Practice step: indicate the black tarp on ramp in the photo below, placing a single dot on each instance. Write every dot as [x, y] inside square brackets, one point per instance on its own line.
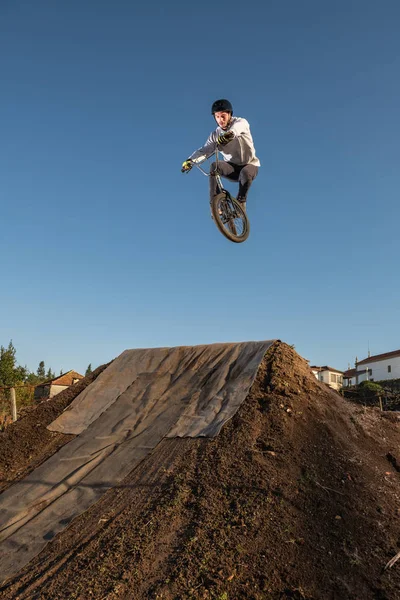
[142, 397]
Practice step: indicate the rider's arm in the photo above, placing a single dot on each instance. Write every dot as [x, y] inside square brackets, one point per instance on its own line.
[240, 127]
[206, 150]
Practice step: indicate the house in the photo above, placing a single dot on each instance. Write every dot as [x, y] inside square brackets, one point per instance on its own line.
[379, 367]
[328, 375]
[50, 388]
[350, 377]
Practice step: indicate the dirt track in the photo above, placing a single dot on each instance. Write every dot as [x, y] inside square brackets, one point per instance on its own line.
[298, 497]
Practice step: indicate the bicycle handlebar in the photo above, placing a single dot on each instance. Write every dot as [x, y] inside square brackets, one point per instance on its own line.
[204, 160]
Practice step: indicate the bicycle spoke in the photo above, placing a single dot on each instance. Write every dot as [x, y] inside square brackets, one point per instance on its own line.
[231, 219]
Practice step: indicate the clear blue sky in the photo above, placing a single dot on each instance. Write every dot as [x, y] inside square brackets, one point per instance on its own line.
[105, 245]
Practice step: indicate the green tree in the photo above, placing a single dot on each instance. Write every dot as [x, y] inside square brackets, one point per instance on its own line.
[32, 379]
[8, 371]
[41, 372]
[370, 389]
[21, 374]
[88, 370]
[13, 375]
[50, 374]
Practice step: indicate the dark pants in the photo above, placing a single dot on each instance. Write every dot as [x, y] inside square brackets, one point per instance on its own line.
[244, 174]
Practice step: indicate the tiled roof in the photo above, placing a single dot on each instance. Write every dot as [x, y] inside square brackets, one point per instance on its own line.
[65, 379]
[350, 373]
[379, 357]
[326, 368]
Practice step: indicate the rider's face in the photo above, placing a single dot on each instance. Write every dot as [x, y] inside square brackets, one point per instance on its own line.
[222, 118]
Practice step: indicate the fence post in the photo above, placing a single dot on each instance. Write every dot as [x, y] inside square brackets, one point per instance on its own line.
[380, 403]
[13, 404]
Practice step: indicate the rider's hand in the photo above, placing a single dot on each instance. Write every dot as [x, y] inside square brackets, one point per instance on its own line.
[186, 166]
[225, 138]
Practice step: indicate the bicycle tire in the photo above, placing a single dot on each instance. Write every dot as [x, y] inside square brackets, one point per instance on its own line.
[224, 223]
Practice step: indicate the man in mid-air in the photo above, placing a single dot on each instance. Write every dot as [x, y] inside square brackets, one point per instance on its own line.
[240, 161]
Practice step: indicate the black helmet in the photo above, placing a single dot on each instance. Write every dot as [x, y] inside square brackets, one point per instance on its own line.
[221, 106]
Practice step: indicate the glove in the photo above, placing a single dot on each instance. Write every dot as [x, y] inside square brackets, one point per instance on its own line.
[186, 166]
[225, 138]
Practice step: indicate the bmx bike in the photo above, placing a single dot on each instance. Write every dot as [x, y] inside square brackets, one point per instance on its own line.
[227, 212]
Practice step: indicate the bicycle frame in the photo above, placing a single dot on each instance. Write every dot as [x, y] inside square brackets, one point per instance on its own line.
[225, 211]
[217, 175]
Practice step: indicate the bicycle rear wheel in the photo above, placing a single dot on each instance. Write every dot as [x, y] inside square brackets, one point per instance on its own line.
[230, 217]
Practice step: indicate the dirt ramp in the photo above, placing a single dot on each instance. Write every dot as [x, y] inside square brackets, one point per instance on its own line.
[296, 498]
[140, 398]
[208, 382]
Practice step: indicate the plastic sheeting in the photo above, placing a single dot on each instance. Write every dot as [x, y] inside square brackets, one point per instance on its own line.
[142, 397]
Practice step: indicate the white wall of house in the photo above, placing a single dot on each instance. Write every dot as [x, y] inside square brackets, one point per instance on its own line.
[334, 380]
[56, 389]
[363, 377]
[323, 376]
[389, 368]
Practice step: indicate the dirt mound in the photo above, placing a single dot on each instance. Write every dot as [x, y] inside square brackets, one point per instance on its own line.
[298, 497]
[27, 443]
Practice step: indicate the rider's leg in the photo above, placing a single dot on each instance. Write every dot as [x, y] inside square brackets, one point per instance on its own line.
[225, 169]
[246, 177]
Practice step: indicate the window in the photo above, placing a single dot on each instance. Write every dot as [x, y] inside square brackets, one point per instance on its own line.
[389, 368]
[369, 371]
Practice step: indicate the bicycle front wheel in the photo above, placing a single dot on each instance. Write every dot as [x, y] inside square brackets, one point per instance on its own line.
[230, 217]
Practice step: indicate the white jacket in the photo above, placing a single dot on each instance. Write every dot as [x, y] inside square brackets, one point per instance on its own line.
[240, 151]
